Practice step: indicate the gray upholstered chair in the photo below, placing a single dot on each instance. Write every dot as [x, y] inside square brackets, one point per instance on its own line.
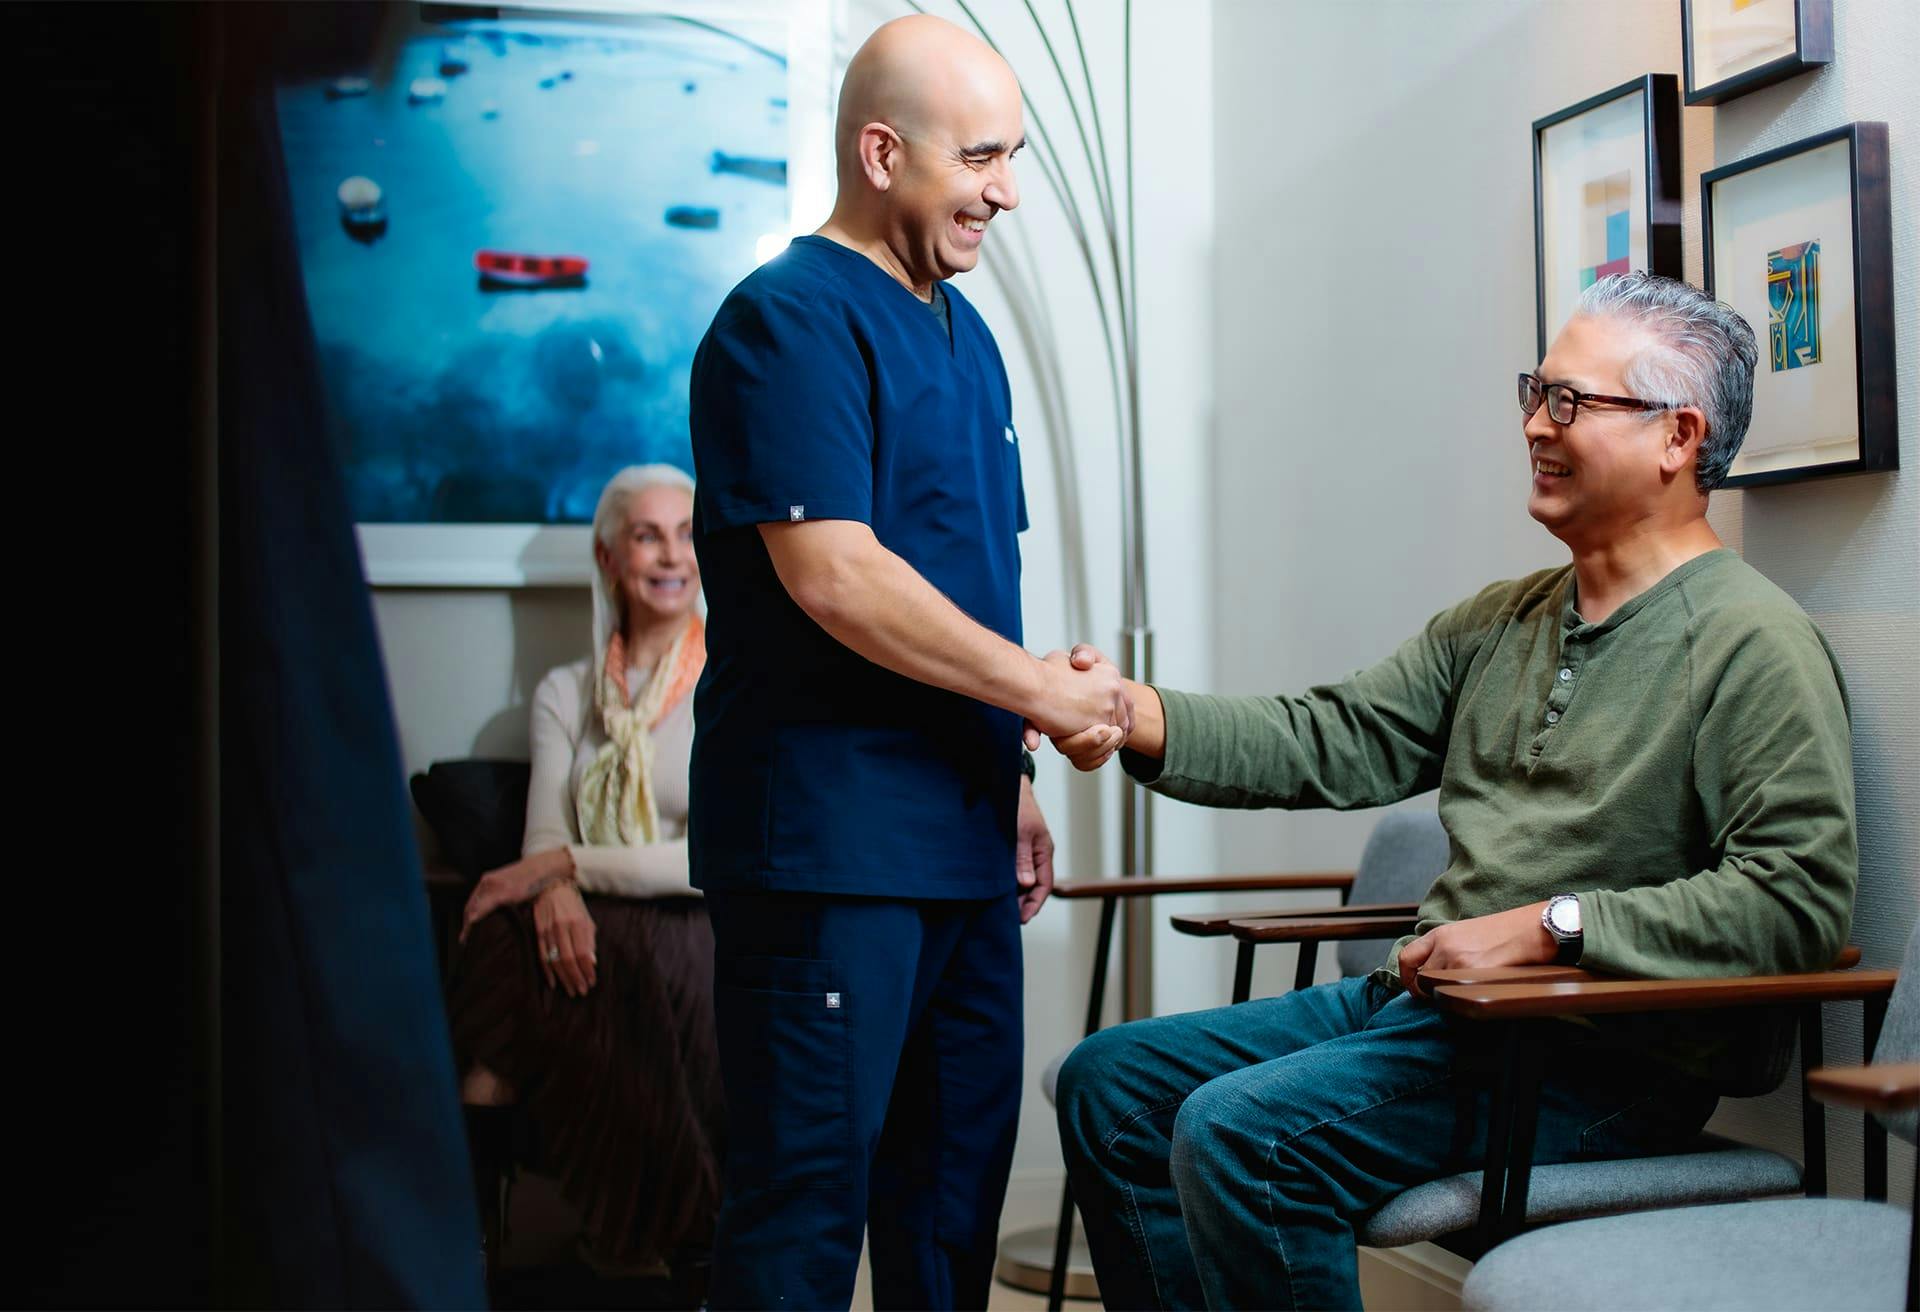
[1404, 854]
[1796, 1253]
[1471, 1211]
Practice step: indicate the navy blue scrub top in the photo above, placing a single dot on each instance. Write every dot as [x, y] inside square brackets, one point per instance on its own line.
[826, 390]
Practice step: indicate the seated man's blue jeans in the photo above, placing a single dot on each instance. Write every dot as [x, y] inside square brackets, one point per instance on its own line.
[1225, 1157]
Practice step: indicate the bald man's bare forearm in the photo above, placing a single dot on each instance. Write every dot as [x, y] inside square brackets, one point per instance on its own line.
[870, 600]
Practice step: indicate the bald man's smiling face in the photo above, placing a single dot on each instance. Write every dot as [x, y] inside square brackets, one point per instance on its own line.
[953, 177]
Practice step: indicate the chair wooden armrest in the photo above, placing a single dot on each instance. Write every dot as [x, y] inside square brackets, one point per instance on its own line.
[1149, 885]
[1217, 924]
[1455, 976]
[1887, 1087]
[1849, 957]
[444, 878]
[1320, 929]
[1612, 996]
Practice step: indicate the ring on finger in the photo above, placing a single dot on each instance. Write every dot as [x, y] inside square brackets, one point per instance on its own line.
[553, 953]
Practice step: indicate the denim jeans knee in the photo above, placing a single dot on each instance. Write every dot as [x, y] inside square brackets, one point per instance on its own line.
[1201, 1133]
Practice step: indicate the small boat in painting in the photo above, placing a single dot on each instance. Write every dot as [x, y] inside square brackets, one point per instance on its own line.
[694, 216]
[501, 269]
[746, 166]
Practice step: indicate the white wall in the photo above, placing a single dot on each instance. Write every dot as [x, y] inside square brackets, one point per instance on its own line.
[1373, 300]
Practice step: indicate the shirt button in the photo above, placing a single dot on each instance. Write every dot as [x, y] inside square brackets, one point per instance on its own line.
[1565, 675]
[1553, 717]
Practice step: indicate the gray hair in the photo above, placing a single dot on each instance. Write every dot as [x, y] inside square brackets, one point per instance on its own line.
[610, 516]
[1703, 356]
[609, 523]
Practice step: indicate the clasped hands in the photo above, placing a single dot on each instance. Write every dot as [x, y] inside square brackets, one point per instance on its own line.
[1089, 713]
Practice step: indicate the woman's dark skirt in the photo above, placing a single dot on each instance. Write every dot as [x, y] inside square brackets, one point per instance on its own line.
[622, 1086]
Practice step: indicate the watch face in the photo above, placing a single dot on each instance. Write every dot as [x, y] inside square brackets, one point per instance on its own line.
[1565, 916]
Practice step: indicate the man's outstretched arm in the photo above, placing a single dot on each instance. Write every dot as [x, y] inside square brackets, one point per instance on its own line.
[873, 602]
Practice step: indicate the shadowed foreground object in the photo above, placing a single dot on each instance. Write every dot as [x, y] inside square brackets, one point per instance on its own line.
[347, 1181]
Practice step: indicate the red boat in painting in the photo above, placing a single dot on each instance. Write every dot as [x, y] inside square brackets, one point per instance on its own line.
[514, 269]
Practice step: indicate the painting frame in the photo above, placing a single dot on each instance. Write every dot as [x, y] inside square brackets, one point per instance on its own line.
[1657, 156]
[535, 555]
[1812, 48]
[1870, 326]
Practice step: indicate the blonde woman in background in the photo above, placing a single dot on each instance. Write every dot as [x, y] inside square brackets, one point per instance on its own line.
[584, 991]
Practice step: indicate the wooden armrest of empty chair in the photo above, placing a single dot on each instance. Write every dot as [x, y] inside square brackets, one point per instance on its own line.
[1336, 881]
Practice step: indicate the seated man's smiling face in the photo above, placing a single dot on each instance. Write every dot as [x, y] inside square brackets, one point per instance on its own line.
[1593, 479]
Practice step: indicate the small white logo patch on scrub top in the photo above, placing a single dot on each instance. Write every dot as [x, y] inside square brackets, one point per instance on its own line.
[833, 999]
[1011, 437]
[796, 513]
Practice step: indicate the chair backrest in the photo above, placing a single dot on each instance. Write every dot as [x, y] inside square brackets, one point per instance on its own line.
[1404, 855]
[1900, 1036]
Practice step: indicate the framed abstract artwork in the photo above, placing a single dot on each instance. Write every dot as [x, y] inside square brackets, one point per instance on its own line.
[1606, 193]
[1731, 47]
[513, 233]
[1799, 240]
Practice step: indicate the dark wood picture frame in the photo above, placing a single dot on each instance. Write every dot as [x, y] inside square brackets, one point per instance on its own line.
[1660, 126]
[1812, 48]
[1873, 318]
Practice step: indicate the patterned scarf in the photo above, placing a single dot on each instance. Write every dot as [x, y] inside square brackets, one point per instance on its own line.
[615, 805]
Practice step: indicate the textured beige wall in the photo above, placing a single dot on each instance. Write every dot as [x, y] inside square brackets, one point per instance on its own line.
[1374, 293]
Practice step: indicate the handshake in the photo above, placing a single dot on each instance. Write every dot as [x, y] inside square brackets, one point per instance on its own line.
[1086, 709]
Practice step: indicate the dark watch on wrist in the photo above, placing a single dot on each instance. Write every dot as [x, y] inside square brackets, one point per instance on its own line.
[1026, 764]
[1562, 920]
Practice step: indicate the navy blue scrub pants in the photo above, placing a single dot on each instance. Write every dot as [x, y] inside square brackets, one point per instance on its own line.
[871, 1054]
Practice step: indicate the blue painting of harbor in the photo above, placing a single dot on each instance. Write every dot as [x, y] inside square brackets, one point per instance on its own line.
[512, 244]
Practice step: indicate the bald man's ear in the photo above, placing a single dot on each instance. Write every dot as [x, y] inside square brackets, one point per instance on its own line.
[879, 154]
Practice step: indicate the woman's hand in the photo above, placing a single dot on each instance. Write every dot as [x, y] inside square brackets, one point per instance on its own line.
[565, 933]
[511, 885]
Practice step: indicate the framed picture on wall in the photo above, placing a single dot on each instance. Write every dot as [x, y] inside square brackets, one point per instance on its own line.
[1799, 240]
[1731, 47]
[514, 231]
[1606, 193]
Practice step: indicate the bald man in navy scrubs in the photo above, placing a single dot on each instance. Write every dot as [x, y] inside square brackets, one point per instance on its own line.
[863, 822]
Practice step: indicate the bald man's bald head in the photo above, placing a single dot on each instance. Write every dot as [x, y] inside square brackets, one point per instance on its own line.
[930, 121]
[916, 74]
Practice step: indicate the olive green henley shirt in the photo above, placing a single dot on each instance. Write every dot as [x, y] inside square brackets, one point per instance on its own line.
[1684, 766]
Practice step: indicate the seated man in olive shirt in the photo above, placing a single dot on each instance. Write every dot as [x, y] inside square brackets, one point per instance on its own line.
[1643, 763]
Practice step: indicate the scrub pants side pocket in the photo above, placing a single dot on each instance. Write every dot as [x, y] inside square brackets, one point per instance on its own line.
[786, 1061]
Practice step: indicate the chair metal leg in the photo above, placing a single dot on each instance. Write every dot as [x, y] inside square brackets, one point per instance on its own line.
[1062, 1246]
[1493, 1180]
[1527, 1065]
[1913, 1247]
[1875, 1171]
[1813, 1116]
[1243, 972]
[1102, 954]
[1303, 969]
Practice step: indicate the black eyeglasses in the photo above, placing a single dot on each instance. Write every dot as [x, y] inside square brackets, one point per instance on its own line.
[1563, 402]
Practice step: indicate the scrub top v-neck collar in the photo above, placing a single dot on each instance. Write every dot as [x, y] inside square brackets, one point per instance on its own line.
[943, 323]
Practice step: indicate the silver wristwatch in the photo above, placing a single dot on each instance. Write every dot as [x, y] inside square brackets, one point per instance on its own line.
[1562, 920]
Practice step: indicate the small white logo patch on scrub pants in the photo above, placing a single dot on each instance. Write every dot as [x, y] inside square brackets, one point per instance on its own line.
[796, 513]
